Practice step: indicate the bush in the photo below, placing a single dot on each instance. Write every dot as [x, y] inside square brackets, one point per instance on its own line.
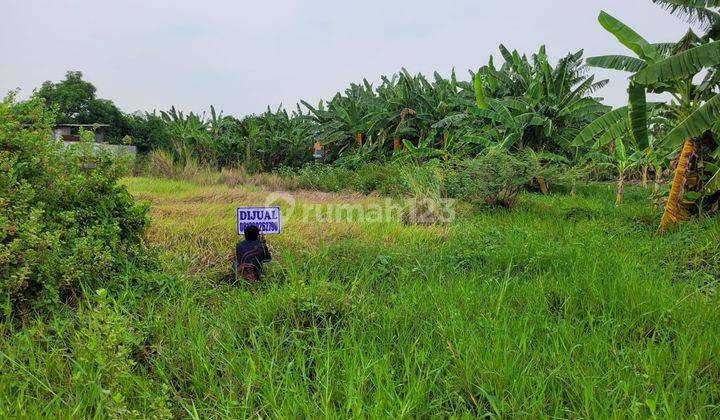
[493, 178]
[496, 177]
[106, 348]
[65, 221]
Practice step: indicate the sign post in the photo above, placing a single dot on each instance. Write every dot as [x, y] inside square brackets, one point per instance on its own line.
[267, 219]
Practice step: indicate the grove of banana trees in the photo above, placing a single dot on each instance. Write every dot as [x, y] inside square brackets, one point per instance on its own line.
[524, 103]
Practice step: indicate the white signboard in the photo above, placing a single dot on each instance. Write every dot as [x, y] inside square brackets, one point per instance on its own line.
[267, 219]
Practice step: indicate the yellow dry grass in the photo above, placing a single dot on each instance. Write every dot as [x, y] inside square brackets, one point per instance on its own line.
[197, 222]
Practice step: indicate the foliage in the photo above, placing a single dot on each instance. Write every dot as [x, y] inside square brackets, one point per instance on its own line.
[75, 103]
[105, 348]
[496, 177]
[71, 97]
[690, 118]
[524, 103]
[65, 222]
[149, 132]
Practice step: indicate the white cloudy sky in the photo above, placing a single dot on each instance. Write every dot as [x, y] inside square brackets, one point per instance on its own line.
[243, 55]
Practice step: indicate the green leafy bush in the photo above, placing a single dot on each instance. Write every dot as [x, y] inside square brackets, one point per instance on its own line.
[65, 221]
[493, 178]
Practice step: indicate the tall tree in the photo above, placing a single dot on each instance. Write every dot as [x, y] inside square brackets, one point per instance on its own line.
[75, 103]
[71, 97]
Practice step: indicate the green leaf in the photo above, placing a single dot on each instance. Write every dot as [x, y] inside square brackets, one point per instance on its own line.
[713, 185]
[506, 54]
[584, 107]
[510, 140]
[479, 87]
[681, 66]
[693, 11]
[638, 112]
[628, 37]
[620, 155]
[601, 125]
[616, 131]
[694, 125]
[502, 114]
[449, 121]
[692, 196]
[617, 62]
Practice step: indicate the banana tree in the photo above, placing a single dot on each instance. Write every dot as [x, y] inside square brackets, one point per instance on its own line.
[621, 158]
[534, 104]
[670, 68]
[190, 136]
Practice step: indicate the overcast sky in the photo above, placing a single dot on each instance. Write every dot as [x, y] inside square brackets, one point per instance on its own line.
[244, 55]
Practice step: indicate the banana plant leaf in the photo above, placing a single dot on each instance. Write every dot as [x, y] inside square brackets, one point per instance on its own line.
[479, 87]
[638, 112]
[713, 185]
[694, 125]
[628, 37]
[617, 62]
[680, 66]
[600, 125]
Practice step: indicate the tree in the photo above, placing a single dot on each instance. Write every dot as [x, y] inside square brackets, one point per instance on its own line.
[75, 103]
[695, 109]
[149, 132]
[71, 97]
[104, 111]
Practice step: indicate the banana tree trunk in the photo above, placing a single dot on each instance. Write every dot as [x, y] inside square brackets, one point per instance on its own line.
[676, 209]
[396, 144]
[359, 139]
[645, 176]
[658, 177]
[619, 187]
[573, 190]
[543, 185]
[656, 187]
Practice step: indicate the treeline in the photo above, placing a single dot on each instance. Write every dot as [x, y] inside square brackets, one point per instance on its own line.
[523, 103]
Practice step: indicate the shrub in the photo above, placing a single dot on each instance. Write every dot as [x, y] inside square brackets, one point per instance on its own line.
[65, 221]
[149, 132]
[494, 178]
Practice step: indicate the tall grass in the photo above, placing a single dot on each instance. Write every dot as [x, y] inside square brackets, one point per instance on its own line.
[565, 307]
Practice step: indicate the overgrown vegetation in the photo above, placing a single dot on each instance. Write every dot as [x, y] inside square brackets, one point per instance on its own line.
[525, 105]
[567, 306]
[544, 291]
[65, 222]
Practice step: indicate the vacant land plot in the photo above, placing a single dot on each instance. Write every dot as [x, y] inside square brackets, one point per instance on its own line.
[566, 306]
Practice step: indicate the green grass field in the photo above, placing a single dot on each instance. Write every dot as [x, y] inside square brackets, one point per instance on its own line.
[564, 307]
